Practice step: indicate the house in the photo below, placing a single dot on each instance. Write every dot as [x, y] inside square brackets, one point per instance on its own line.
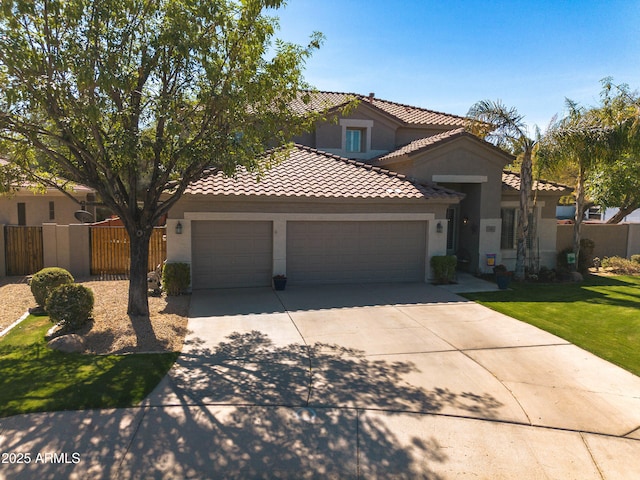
[24, 206]
[366, 197]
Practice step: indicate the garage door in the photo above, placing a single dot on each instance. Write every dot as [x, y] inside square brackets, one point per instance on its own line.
[350, 252]
[228, 254]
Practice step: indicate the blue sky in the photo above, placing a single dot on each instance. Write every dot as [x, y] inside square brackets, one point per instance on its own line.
[446, 55]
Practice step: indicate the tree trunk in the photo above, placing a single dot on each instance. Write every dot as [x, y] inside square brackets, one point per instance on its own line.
[623, 212]
[526, 180]
[138, 288]
[581, 206]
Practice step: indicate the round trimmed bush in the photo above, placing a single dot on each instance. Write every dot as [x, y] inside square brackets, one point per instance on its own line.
[71, 305]
[176, 278]
[47, 280]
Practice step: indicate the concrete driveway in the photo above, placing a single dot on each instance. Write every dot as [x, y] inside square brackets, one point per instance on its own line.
[375, 381]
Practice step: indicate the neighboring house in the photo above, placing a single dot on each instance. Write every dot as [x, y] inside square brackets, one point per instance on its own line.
[415, 185]
[25, 207]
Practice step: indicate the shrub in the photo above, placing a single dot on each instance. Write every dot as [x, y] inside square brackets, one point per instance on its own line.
[176, 278]
[444, 268]
[585, 257]
[635, 258]
[46, 280]
[546, 275]
[621, 266]
[71, 305]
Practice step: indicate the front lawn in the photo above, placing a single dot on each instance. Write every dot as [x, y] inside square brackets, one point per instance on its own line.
[34, 378]
[601, 315]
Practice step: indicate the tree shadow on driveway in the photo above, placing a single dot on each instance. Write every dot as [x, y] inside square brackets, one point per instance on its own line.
[248, 369]
[246, 409]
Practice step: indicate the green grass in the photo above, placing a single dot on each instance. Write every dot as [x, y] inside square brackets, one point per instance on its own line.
[601, 315]
[34, 378]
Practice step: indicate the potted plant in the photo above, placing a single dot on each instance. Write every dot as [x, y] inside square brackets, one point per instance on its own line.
[503, 276]
[279, 282]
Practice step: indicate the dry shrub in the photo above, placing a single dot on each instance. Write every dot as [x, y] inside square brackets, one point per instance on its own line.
[621, 266]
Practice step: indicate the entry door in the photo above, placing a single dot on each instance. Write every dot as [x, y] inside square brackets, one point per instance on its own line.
[453, 214]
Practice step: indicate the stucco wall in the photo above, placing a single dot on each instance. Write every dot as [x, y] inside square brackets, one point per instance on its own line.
[329, 135]
[466, 160]
[610, 240]
[37, 208]
[405, 135]
[210, 203]
[68, 247]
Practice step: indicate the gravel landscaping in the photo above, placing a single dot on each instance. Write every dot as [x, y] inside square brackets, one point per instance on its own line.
[111, 331]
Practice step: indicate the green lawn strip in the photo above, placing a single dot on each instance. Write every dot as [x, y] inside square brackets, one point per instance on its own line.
[601, 315]
[34, 378]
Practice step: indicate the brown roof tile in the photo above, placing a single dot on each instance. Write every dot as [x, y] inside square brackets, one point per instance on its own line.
[511, 182]
[310, 173]
[406, 114]
[423, 143]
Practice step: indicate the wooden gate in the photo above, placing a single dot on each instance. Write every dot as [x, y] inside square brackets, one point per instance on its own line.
[23, 250]
[110, 250]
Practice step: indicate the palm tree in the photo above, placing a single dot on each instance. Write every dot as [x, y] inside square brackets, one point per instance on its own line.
[505, 128]
[580, 141]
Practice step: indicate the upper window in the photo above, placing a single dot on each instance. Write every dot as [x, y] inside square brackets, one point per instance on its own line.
[52, 211]
[355, 139]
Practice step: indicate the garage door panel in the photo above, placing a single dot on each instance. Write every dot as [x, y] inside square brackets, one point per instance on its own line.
[343, 252]
[228, 254]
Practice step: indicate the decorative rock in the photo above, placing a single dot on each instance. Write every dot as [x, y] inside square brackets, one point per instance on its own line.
[54, 332]
[576, 277]
[71, 343]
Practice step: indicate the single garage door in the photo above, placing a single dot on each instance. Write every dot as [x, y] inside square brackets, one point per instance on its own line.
[350, 252]
[228, 254]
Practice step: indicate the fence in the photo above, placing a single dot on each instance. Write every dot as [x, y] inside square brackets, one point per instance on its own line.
[621, 239]
[23, 250]
[110, 250]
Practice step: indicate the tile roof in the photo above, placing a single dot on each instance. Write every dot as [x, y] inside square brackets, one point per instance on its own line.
[310, 173]
[511, 182]
[405, 114]
[424, 143]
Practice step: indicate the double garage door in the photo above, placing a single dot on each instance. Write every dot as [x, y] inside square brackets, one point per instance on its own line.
[240, 254]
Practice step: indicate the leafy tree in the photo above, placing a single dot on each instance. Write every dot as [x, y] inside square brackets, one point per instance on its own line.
[506, 128]
[616, 182]
[138, 98]
[616, 185]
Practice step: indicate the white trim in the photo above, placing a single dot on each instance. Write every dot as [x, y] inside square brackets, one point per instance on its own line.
[356, 123]
[317, 217]
[460, 178]
[14, 324]
[516, 204]
[181, 251]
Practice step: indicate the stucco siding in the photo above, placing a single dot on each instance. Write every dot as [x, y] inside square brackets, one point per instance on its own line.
[405, 135]
[37, 208]
[207, 203]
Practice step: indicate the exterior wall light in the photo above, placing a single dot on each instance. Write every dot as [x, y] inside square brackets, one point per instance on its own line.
[439, 227]
[178, 228]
